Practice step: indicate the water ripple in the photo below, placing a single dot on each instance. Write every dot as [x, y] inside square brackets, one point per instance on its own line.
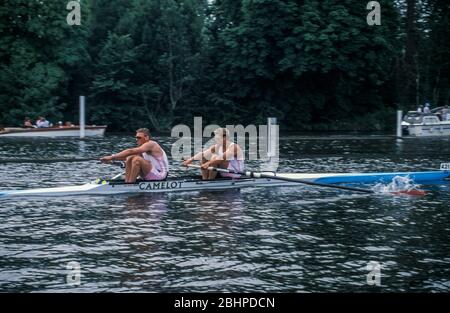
[296, 239]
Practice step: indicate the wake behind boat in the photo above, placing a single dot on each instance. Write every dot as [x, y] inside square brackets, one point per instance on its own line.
[113, 187]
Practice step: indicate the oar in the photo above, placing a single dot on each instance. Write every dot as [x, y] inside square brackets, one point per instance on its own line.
[117, 163]
[306, 182]
[121, 165]
[53, 160]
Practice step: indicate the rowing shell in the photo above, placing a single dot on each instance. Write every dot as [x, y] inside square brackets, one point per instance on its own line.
[190, 184]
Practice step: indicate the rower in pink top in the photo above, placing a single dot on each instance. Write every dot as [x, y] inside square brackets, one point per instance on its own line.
[223, 154]
[148, 160]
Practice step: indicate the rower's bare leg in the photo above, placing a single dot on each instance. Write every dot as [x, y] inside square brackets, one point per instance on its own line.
[217, 163]
[205, 173]
[139, 167]
[206, 156]
[128, 166]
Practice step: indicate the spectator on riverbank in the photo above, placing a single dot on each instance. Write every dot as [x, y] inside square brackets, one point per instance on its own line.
[27, 123]
[42, 122]
[445, 113]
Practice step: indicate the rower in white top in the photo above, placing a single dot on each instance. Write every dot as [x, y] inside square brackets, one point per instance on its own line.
[223, 154]
[148, 160]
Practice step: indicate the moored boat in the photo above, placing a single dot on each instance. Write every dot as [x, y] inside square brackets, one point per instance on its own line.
[425, 125]
[58, 131]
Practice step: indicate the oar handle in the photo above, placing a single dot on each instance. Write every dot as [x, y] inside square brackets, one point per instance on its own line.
[211, 168]
[118, 163]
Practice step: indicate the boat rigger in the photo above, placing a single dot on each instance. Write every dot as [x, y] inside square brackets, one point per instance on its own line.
[112, 187]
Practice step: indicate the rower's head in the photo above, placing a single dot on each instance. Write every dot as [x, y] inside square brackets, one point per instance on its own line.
[221, 134]
[142, 136]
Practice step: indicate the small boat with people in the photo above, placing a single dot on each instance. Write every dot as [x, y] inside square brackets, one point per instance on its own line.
[435, 122]
[44, 128]
[55, 131]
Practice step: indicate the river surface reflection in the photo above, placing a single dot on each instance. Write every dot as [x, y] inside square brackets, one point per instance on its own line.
[287, 239]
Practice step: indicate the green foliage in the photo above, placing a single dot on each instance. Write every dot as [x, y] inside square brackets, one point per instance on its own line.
[304, 61]
[150, 65]
[39, 54]
[155, 63]
[435, 50]
[110, 93]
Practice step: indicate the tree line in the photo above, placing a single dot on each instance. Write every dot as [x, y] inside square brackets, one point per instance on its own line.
[315, 65]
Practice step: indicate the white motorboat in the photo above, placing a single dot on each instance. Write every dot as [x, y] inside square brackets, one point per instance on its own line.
[425, 124]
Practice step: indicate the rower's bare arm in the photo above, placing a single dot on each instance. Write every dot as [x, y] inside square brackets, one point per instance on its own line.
[199, 156]
[150, 146]
[232, 153]
[122, 156]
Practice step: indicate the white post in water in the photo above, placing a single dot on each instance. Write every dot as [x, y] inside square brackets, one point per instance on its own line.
[82, 117]
[399, 123]
[271, 136]
[272, 146]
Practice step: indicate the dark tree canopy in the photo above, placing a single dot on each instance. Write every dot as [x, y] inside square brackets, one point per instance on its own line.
[156, 63]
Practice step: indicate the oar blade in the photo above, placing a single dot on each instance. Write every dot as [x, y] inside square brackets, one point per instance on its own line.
[413, 192]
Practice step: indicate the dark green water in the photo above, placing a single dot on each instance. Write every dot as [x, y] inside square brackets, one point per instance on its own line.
[296, 239]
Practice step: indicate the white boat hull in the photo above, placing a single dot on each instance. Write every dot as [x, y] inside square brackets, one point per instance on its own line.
[435, 130]
[111, 188]
[90, 131]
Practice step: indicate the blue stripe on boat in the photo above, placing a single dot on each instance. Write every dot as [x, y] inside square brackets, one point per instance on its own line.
[384, 177]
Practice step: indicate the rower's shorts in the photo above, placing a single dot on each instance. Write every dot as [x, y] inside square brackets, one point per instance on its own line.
[154, 174]
[234, 165]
